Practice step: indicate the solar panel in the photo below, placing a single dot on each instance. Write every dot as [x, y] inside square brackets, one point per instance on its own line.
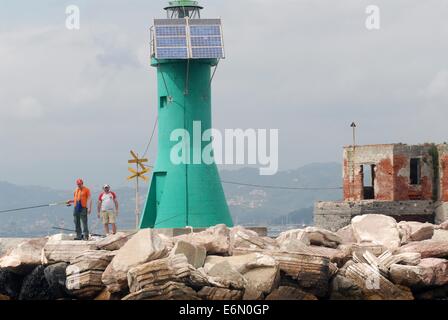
[206, 42]
[162, 31]
[205, 30]
[188, 39]
[172, 53]
[208, 53]
[171, 39]
[172, 42]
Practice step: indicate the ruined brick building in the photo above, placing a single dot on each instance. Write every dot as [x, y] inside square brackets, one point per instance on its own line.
[403, 181]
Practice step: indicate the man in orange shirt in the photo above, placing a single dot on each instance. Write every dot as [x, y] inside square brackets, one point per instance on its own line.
[82, 202]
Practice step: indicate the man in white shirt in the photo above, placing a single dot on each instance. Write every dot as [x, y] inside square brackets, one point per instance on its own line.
[108, 209]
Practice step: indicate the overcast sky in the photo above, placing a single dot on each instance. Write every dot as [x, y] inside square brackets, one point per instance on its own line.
[73, 103]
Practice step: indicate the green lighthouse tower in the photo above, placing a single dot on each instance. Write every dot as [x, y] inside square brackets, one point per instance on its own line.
[184, 49]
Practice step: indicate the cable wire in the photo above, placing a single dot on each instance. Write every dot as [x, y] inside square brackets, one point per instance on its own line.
[152, 136]
[280, 187]
[169, 219]
[223, 181]
[33, 207]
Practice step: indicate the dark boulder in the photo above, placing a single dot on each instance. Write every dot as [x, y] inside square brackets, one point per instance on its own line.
[10, 283]
[434, 293]
[35, 286]
[56, 279]
[343, 288]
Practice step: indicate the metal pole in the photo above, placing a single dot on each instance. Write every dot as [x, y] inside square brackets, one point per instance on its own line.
[353, 125]
[137, 196]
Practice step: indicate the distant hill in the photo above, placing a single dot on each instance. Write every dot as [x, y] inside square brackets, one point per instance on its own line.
[248, 205]
[253, 205]
[299, 217]
[37, 222]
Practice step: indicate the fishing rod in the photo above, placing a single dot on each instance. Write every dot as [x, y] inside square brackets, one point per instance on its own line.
[69, 230]
[36, 207]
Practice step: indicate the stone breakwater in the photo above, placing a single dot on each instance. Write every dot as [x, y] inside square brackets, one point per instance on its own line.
[373, 258]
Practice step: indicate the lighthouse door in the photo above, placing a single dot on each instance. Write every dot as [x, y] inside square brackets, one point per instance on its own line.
[160, 184]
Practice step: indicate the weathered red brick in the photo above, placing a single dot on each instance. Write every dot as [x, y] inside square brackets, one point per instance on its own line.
[384, 180]
[444, 178]
[392, 174]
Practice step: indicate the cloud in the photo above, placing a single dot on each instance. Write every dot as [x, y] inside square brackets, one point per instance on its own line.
[307, 67]
[29, 108]
[438, 87]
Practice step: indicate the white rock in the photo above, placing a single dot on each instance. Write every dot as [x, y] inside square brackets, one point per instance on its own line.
[143, 247]
[242, 263]
[226, 276]
[346, 235]
[440, 235]
[259, 274]
[311, 271]
[430, 272]
[322, 237]
[373, 285]
[25, 257]
[263, 280]
[172, 268]
[85, 285]
[7, 244]
[66, 250]
[241, 237]
[166, 291]
[113, 242]
[293, 240]
[415, 231]
[443, 226]
[439, 268]
[376, 229]
[97, 260]
[411, 276]
[215, 239]
[195, 254]
[427, 248]
[61, 237]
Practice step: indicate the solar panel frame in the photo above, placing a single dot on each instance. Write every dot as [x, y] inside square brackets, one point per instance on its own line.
[199, 38]
[199, 22]
[202, 37]
[170, 38]
[169, 22]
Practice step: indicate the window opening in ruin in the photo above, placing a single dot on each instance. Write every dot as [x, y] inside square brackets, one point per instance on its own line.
[415, 172]
[368, 181]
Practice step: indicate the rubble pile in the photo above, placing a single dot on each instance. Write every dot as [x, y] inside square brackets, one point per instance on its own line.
[374, 258]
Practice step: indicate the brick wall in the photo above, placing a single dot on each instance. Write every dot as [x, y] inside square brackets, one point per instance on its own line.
[392, 172]
[403, 190]
[354, 158]
[443, 172]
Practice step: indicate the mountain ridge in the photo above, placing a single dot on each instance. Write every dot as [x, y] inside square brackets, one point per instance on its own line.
[249, 205]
